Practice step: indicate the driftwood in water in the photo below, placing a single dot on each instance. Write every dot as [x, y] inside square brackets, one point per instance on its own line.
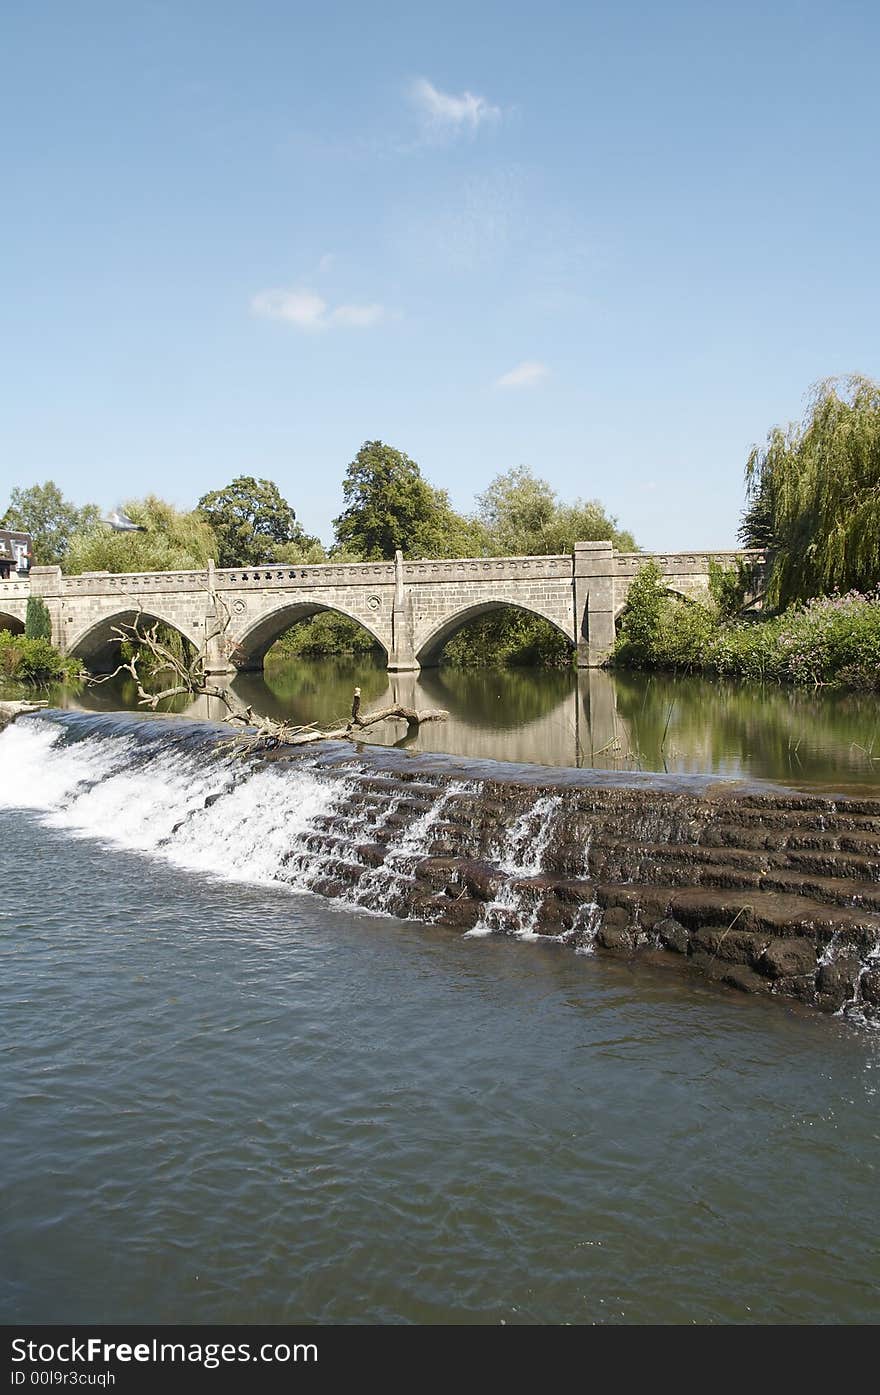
[396, 712]
[10, 710]
[189, 678]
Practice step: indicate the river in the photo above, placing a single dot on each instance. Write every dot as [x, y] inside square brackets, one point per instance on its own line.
[228, 1100]
[609, 721]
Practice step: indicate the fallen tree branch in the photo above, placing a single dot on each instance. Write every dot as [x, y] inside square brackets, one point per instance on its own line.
[397, 712]
[189, 679]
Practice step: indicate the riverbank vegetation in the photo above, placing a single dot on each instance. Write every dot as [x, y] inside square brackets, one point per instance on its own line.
[31, 657]
[33, 660]
[813, 502]
[826, 640]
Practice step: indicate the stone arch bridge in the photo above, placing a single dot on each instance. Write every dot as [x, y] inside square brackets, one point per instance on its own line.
[410, 608]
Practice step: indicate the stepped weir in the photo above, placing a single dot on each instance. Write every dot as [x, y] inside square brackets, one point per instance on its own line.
[758, 887]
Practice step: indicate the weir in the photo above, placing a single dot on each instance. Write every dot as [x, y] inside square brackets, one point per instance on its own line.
[763, 889]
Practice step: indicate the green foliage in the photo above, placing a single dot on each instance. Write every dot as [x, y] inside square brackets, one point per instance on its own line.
[251, 521]
[304, 552]
[327, 633]
[642, 620]
[830, 640]
[390, 505]
[50, 519]
[522, 517]
[508, 637]
[33, 660]
[814, 494]
[729, 586]
[174, 541]
[38, 621]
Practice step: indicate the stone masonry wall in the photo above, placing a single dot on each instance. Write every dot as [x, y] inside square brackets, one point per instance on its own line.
[410, 608]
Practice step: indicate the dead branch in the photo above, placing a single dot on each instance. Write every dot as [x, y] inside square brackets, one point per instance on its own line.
[189, 678]
[397, 712]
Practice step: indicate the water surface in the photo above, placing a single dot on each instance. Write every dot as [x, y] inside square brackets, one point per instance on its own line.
[609, 721]
[228, 1101]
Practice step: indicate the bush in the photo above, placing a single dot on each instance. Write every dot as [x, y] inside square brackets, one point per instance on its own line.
[38, 622]
[508, 638]
[33, 660]
[832, 640]
[327, 633]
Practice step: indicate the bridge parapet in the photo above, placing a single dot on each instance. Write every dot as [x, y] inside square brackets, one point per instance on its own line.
[628, 563]
[131, 583]
[457, 569]
[14, 589]
[307, 574]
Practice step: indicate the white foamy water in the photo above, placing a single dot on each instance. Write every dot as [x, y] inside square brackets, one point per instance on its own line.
[521, 856]
[376, 888]
[108, 788]
[39, 772]
[293, 823]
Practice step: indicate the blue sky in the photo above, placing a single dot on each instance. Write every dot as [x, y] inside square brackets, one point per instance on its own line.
[616, 242]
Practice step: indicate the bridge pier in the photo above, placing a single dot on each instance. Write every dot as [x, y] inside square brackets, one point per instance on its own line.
[47, 582]
[402, 655]
[593, 602]
[217, 661]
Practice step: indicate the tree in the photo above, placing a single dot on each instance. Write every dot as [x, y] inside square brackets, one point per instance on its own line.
[173, 541]
[522, 516]
[251, 520]
[390, 505]
[814, 494]
[642, 620]
[50, 519]
[38, 622]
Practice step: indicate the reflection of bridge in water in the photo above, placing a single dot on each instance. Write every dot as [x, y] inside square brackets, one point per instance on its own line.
[574, 722]
[410, 608]
[611, 720]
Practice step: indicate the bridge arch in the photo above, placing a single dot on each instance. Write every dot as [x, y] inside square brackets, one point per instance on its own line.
[11, 623]
[250, 648]
[98, 646]
[429, 650]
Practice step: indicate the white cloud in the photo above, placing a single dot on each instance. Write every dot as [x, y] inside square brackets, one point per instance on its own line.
[357, 316]
[443, 113]
[301, 308]
[526, 374]
[310, 311]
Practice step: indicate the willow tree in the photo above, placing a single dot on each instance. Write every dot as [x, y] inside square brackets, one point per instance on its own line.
[170, 541]
[814, 494]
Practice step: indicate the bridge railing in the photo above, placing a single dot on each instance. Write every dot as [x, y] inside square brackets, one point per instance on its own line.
[489, 568]
[100, 583]
[627, 562]
[15, 588]
[315, 573]
[425, 570]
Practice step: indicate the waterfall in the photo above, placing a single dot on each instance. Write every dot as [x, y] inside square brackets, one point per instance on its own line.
[763, 889]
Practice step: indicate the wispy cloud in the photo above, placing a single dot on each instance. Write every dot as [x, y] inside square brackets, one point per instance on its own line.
[526, 374]
[357, 316]
[307, 310]
[445, 114]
